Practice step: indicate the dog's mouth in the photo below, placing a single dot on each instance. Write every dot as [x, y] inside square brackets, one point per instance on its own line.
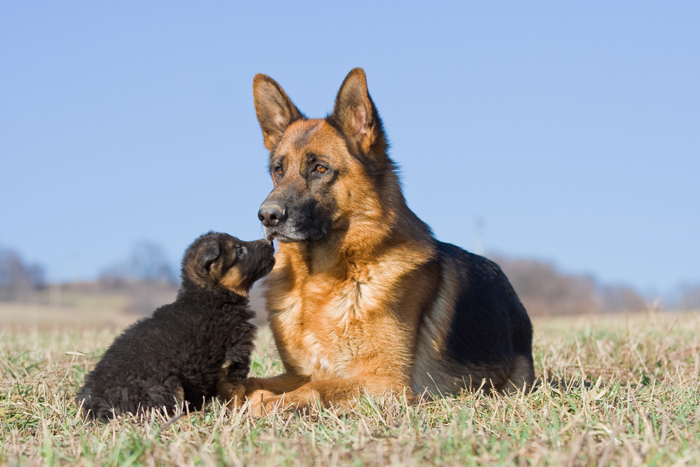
[275, 234]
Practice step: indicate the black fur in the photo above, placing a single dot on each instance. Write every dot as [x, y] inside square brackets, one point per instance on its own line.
[490, 324]
[173, 359]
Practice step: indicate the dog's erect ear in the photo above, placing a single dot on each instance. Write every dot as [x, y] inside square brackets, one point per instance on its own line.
[208, 254]
[355, 114]
[274, 109]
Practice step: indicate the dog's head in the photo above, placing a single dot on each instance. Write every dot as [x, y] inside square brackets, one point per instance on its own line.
[327, 173]
[220, 260]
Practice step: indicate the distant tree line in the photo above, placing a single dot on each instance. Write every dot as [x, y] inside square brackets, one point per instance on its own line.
[547, 291]
[147, 276]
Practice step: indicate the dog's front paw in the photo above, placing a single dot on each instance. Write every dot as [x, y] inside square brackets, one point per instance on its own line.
[258, 395]
[257, 398]
[264, 403]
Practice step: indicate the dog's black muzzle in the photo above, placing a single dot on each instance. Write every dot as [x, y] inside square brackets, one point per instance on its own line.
[291, 220]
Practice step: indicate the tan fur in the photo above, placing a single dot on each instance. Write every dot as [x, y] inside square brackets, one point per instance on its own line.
[431, 341]
[180, 394]
[234, 280]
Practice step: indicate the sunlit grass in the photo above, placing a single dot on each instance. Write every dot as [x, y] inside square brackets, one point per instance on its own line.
[614, 390]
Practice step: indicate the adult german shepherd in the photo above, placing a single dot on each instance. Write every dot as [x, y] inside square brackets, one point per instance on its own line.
[362, 298]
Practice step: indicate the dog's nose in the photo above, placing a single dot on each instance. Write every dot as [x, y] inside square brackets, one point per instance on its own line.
[271, 214]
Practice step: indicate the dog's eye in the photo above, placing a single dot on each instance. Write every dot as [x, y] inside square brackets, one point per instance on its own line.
[241, 251]
[279, 171]
[320, 169]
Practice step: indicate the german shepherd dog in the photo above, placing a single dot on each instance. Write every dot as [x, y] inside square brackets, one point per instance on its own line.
[363, 299]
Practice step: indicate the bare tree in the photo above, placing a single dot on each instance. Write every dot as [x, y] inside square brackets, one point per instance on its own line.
[146, 262]
[18, 278]
[145, 276]
[690, 297]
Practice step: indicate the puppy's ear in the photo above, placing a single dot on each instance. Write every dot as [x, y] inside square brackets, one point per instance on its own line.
[274, 109]
[356, 115]
[208, 254]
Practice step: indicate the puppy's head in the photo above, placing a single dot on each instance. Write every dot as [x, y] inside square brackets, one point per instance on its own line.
[220, 260]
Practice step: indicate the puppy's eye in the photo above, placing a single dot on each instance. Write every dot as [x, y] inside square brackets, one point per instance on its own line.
[320, 169]
[241, 251]
[279, 171]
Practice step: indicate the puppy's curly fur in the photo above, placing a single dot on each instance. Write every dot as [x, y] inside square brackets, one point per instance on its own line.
[191, 350]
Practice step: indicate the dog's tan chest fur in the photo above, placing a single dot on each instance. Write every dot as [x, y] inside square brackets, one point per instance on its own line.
[335, 325]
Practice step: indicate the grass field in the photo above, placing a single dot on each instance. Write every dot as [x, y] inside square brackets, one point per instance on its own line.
[615, 390]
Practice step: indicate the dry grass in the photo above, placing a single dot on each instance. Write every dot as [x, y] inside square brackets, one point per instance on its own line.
[614, 391]
[44, 317]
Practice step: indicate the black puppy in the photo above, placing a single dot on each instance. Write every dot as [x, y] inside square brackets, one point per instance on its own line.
[191, 350]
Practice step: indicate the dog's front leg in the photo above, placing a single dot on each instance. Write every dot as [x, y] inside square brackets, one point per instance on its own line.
[267, 387]
[341, 393]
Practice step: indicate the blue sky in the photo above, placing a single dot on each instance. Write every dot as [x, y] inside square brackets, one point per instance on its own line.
[571, 129]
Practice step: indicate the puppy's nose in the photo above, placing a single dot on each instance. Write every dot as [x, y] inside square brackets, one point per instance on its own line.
[271, 214]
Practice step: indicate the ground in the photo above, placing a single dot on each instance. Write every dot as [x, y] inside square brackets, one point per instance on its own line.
[614, 390]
